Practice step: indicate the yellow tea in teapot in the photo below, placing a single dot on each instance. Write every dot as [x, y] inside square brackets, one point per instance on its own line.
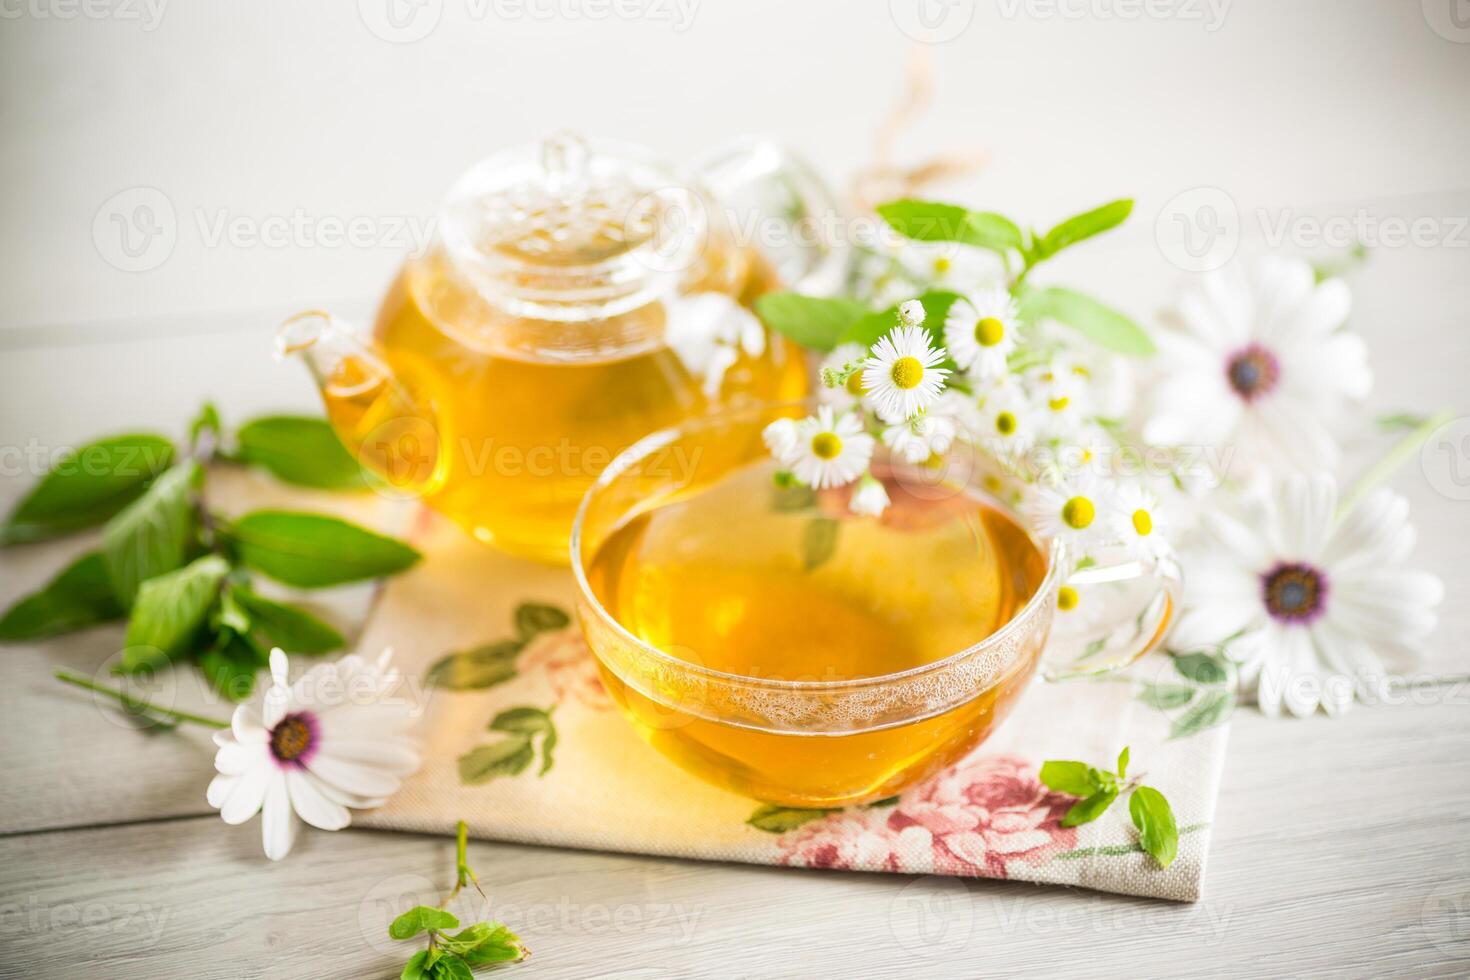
[734, 578]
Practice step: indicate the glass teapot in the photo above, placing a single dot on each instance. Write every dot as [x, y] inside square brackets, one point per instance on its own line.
[575, 298]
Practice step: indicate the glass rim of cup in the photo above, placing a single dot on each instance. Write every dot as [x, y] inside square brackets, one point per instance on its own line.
[1053, 550]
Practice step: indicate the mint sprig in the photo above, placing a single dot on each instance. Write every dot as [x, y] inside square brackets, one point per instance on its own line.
[454, 956]
[1099, 789]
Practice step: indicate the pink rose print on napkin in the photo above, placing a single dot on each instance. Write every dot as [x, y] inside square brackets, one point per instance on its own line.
[569, 668]
[847, 840]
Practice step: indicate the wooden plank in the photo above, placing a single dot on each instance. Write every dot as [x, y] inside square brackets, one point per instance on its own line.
[1342, 857]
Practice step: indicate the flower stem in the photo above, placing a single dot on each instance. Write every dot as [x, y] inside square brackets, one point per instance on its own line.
[136, 704]
[1392, 460]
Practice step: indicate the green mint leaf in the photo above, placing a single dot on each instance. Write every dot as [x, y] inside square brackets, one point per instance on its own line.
[1091, 808]
[1166, 696]
[230, 614]
[872, 327]
[291, 628]
[477, 669]
[927, 221]
[231, 666]
[313, 550]
[487, 762]
[207, 421]
[1154, 818]
[1100, 324]
[300, 450]
[525, 720]
[779, 819]
[1202, 668]
[500, 945]
[152, 535]
[87, 487]
[1072, 778]
[417, 967]
[538, 617]
[421, 919]
[450, 966]
[1123, 763]
[1101, 778]
[797, 497]
[465, 940]
[1083, 226]
[80, 596]
[170, 610]
[1213, 708]
[813, 322]
[819, 542]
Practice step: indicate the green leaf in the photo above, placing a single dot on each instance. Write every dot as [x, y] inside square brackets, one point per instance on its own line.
[207, 420]
[313, 550]
[525, 720]
[487, 762]
[1123, 763]
[1072, 778]
[417, 967]
[1083, 226]
[871, 328]
[779, 819]
[169, 612]
[152, 535]
[474, 670]
[1400, 421]
[87, 487]
[1100, 324]
[539, 617]
[231, 666]
[813, 322]
[499, 946]
[421, 919]
[927, 221]
[1091, 808]
[548, 742]
[291, 628]
[450, 966]
[819, 542]
[786, 500]
[1154, 818]
[79, 596]
[1166, 697]
[300, 450]
[1214, 708]
[1202, 668]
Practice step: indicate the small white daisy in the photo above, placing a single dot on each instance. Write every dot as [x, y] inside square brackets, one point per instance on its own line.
[1259, 363]
[830, 451]
[1007, 421]
[950, 265]
[709, 333]
[902, 376]
[1073, 510]
[847, 395]
[911, 313]
[1137, 521]
[981, 332]
[869, 499]
[921, 437]
[310, 750]
[781, 437]
[1311, 602]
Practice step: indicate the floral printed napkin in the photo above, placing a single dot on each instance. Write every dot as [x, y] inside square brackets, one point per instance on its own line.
[524, 745]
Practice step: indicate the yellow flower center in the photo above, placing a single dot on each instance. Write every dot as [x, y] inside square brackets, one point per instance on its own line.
[941, 265]
[1005, 423]
[907, 372]
[1058, 404]
[1143, 523]
[1078, 513]
[990, 331]
[826, 445]
[855, 383]
[1067, 598]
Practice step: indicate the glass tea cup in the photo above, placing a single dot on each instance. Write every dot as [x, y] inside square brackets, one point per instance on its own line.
[772, 642]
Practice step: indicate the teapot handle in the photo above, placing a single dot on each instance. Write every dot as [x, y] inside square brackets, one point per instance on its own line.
[775, 202]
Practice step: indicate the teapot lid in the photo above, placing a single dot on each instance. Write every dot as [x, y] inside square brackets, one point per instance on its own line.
[573, 229]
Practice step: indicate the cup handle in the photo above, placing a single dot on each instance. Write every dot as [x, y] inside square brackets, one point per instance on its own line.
[1123, 608]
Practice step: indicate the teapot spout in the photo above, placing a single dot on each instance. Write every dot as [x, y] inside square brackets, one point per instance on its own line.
[390, 430]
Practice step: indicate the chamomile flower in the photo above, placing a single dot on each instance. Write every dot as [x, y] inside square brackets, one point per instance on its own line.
[950, 265]
[902, 376]
[869, 499]
[911, 313]
[709, 333]
[1073, 510]
[1310, 602]
[925, 435]
[980, 332]
[1138, 523]
[846, 395]
[310, 750]
[830, 450]
[1007, 421]
[781, 437]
